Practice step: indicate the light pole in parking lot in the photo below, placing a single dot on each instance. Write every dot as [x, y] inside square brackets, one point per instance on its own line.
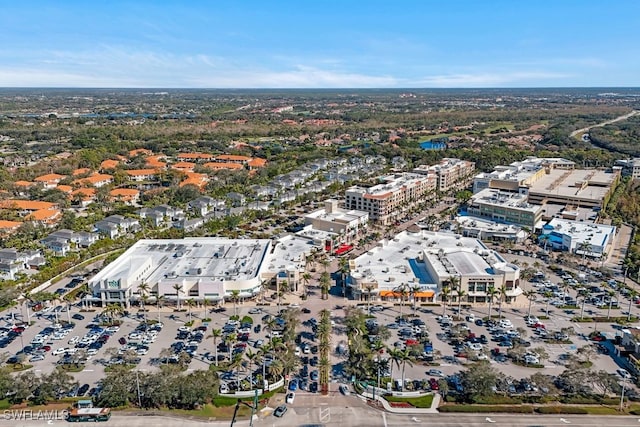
[624, 383]
[138, 388]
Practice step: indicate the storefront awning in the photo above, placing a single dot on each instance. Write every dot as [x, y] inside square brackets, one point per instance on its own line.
[423, 294]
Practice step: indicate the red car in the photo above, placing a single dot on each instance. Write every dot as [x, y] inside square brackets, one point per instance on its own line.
[598, 337]
[45, 348]
[433, 383]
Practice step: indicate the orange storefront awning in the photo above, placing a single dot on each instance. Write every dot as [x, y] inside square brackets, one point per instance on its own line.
[425, 294]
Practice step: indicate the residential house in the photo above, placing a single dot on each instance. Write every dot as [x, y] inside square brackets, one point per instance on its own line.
[205, 204]
[142, 174]
[223, 165]
[198, 180]
[46, 217]
[161, 215]
[189, 224]
[197, 157]
[8, 227]
[83, 196]
[96, 180]
[264, 191]
[237, 199]
[109, 164]
[184, 166]
[117, 225]
[140, 152]
[129, 196]
[13, 262]
[60, 246]
[61, 241]
[50, 180]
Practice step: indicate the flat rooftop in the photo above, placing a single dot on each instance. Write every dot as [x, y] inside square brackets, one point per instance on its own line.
[391, 184]
[190, 258]
[589, 184]
[595, 234]
[493, 197]
[340, 216]
[393, 262]
[489, 226]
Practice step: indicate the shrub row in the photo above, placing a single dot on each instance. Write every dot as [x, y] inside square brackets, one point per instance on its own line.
[561, 410]
[516, 409]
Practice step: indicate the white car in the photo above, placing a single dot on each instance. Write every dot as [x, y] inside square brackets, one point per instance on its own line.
[113, 329]
[74, 340]
[344, 389]
[505, 323]
[290, 397]
[435, 373]
[59, 351]
[531, 359]
[255, 310]
[92, 352]
[475, 346]
[624, 373]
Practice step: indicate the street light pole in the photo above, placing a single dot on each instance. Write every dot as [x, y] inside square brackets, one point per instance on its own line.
[138, 387]
[624, 383]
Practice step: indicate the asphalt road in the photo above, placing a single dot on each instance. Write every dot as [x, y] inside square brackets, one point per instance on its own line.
[357, 417]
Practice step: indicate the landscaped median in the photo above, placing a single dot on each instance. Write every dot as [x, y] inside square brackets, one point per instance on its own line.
[415, 402]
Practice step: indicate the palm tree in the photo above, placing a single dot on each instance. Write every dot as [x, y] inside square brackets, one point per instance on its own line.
[215, 334]
[585, 296]
[283, 288]
[235, 297]
[502, 293]
[159, 300]
[67, 299]
[632, 297]
[325, 284]
[343, 267]
[402, 290]
[178, 289]
[369, 287]
[460, 294]
[143, 290]
[113, 310]
[547, 295]
[414, 291]
[251, 357]
[306, 278]
[491, 294]
[611, 295]
[531, 295]
[445, 292]
[205, 304]
[190, 303]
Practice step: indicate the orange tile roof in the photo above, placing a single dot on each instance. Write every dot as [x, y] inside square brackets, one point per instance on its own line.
[124, 192]
[222, 165]
[194, 156]
[257, 162]
[109, 164]
[233, 157]
[50, 177]
[9, 225]
[24, 184]
[65, 188]
[84, 193]
[46, 215]
[27, 205]
[183, 165]
[93, 179]
[81, 171]
[140, 151]
[141, 172]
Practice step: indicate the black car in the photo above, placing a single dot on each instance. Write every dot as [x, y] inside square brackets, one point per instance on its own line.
[78, 316]
[83, 389]
[122, 340]
[306, 310]
[313, 388]
[280, 411]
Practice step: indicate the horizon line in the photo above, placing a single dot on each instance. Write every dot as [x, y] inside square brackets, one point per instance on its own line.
[315, 88]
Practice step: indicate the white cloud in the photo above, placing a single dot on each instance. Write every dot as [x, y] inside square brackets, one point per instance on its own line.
[489, 79]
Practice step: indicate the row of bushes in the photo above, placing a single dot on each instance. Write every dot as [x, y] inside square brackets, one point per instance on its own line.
[516, 400]
[514, 409]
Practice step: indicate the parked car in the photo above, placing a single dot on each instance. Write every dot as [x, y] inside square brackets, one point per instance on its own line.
[290, 397]
[280, 411]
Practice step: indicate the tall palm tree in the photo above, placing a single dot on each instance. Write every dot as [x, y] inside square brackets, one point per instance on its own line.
[547, 295]
[343, 267]
[586, 294]
[325, 284]
[178, 289]
[531, 295]
[205, 304]
[159, 300]
[444, 293]
[190, 303]
[264, 287]
[143, 289]
[369, 288]
[403, 291]
[461, 293]
[235, 297]
[492, 292]
[215, 334]
[611, 294]
[414, 291]
[632, 297]
[251, 357]
[306, 278]
[282, 288]
[502, 293]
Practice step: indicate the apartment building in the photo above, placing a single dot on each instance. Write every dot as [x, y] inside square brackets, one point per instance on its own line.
[386, 201]
[450, 173]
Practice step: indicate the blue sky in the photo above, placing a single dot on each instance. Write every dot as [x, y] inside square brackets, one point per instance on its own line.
[321, 44]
